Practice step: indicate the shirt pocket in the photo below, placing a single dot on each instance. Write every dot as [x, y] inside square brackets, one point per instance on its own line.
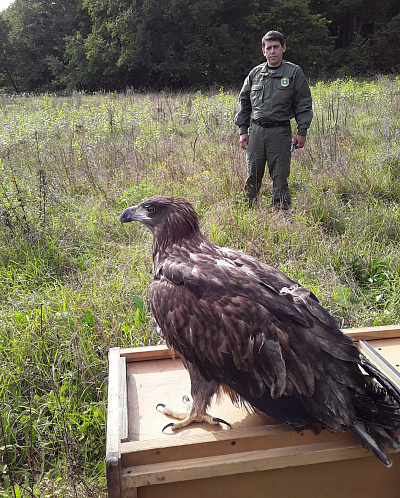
[256, 94]
[283, 95]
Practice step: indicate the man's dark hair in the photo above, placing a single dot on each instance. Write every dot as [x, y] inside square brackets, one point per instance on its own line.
[273, 36]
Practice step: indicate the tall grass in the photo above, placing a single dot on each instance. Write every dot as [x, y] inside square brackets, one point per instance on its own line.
[74, 281]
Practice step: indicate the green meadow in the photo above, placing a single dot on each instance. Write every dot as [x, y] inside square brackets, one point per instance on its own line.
[74, 281]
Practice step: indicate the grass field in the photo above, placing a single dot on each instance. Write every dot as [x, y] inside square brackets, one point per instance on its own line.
[73, 280]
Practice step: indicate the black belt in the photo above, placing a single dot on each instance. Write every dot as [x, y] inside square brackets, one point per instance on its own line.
[270, 124]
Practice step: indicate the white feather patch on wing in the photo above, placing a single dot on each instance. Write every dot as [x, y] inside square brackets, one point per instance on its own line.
[248, 271]
[224, 263]
[289, 290]
[296, 291]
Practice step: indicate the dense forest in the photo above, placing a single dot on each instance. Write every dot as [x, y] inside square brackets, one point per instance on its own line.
[57, 45]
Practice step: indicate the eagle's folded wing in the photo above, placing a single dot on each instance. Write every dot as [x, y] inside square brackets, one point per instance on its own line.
[242, 333]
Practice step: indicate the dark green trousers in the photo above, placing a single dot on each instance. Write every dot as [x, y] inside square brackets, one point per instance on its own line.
[269, 146]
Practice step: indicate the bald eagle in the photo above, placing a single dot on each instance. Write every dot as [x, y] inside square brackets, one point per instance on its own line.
[245, 328]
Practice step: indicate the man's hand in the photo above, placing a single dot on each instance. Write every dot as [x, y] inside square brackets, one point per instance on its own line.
[301, 140]
[244, 141]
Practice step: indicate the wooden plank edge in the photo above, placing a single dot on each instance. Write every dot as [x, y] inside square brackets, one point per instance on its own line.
[113, 441]
[148, 353]
[113, 476]
[134, 453]
[371, 333]
[253, 461]
[148, 452]
[177, 440]
[123, 400]
[264, 432]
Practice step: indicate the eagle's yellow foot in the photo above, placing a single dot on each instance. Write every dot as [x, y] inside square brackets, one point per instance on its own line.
[189, 416]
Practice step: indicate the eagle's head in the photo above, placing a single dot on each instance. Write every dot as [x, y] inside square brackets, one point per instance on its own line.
[168, 217]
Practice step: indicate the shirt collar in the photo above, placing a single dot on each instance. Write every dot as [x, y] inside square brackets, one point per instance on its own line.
[278, 71]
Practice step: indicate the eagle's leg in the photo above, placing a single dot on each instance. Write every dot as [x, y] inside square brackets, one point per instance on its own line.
[202, 392]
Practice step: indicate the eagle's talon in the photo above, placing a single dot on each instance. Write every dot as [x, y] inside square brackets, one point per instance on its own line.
[163, 406]
[185, 399]
[220, 421]
[171, 424]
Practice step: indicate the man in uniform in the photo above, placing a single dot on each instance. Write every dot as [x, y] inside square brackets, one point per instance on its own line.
[273, 93]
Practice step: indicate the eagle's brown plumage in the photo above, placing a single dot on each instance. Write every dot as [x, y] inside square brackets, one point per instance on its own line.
[244, 327]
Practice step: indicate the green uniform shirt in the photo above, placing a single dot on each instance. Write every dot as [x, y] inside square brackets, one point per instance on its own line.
[275, 96]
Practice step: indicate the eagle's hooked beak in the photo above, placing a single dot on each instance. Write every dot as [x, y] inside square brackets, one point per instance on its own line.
[128, 215]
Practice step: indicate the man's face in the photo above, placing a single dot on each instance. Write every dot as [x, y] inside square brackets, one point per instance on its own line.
[273, 52]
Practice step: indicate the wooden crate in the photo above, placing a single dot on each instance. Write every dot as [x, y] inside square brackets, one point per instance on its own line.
[256, 458]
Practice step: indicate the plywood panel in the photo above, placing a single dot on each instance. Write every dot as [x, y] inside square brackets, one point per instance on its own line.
[357, 478]
[166, 381]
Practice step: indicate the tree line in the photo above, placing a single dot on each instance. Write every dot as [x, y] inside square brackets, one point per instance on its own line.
[57, 45]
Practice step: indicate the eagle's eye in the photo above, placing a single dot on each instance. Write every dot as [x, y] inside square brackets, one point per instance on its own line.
[150, 209]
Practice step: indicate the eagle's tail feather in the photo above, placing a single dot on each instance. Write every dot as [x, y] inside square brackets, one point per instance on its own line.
[387, 437]
[369, 442]
[379, 406]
